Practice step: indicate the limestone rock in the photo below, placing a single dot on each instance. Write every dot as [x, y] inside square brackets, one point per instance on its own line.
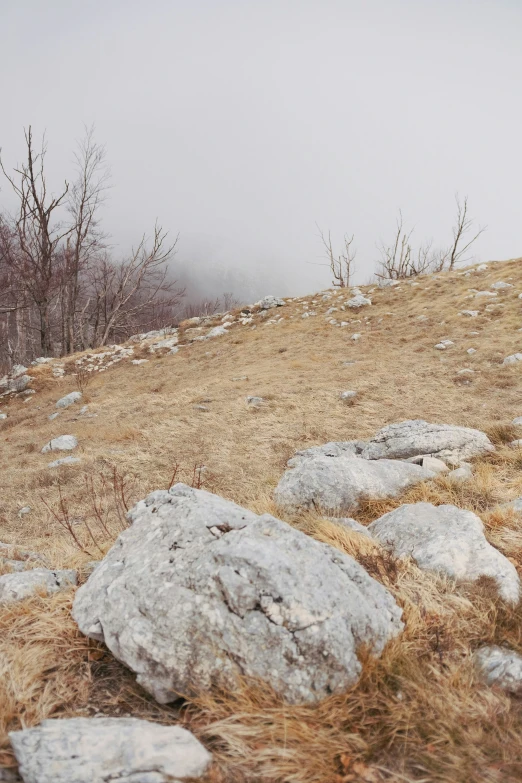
[499, 666]
[20, 585]
[338, 483]
[62, 443]
[464, 473]
[501, 285]
[513, 359]
[69, 399]
[429, 463]
[358, 301]
[333, 449]
[347, 396]
[64, 461]
[199, 590]
[409, 438]
[446, 539]
[98, 750]
[270, 301]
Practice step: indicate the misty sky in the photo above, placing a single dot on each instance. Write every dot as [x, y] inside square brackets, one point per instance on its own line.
[242, 123]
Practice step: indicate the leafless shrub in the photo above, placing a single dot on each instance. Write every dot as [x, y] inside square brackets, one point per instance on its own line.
[342, 265]
[109, 495]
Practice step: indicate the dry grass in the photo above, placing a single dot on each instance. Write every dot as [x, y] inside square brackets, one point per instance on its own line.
[418, 713]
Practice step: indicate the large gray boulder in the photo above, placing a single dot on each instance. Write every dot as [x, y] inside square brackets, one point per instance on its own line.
[98, 750]
[501, 667]
[22, 584]
[409, 438]
[199, 590]
[338, 483]
[446, 539]
[62, 443]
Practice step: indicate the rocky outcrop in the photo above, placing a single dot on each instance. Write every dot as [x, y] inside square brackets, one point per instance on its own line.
[338, 483]
[446, 539]
[199, 590]
[99, 750]
[62, 443]
[410, 438]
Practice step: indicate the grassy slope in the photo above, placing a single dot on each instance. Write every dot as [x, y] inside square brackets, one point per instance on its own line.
[419, 710]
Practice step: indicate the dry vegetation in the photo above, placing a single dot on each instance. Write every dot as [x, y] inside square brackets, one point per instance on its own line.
[417, 714]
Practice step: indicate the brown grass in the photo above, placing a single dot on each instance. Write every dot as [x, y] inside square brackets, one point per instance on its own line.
[417, 714]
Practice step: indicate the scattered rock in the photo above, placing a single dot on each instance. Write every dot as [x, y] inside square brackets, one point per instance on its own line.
[240, 378]
[517, 421]
[446, 539]
[62, 443]
[199, 590]
[429, 463]
[482, 294]
[3, 416]
[337, 483]
[513, 359]
[201, 408]
[501, 667]
[385, 283]
[346, 396]
[96, 750]
[470, 313]
[410, 438]
[464, 473]
[138, 362]
[69, 399]
[356, 336]
[471, 351]
[501, 285]
[64, 461]
[24, 511]
[217, 331]
[465, 371]
[53, 416]
[444, 344]
[516, 444]
[270, 301]
[358, 301]
[255, 402]
[22, 584]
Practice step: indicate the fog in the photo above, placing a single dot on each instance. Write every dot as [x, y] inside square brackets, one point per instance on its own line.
[241, 124]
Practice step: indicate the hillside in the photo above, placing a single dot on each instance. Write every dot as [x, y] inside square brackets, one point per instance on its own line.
[418, 713]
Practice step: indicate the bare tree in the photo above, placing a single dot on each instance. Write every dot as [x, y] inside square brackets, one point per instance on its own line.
[398, 260]
[38, 233]
[461, 234]
[341, 265]
[121, 293]
[85, 240]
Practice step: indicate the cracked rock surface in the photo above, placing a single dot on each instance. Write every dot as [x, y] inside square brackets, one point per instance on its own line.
[199, 590]
[446, 539]
[108, 750]
[409, 438]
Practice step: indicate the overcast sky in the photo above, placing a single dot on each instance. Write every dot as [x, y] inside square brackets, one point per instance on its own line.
[243, 123]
